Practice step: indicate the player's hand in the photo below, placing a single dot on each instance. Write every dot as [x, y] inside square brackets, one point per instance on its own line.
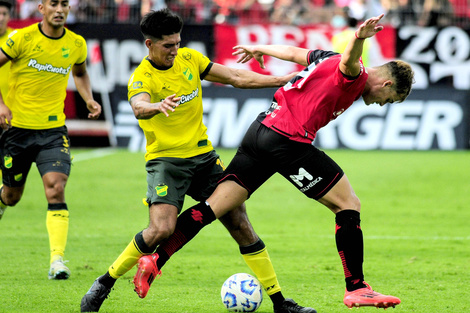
[369, 28]
[247, 53]
[168, 104]
[94, 108]
[5, 117]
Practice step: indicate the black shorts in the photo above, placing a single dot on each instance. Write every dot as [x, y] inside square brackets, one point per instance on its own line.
[170, 179]
[19, 148]
[264, 152]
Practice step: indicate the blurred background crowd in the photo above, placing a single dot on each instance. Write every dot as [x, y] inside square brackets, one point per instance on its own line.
[295, 12]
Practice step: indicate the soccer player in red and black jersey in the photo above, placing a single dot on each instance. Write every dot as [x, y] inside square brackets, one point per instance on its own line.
[280, 141]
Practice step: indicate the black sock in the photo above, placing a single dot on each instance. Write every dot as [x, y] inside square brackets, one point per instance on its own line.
[189, 223]
[141, 245]
[277, 299]
[350, 245]
[107, 280]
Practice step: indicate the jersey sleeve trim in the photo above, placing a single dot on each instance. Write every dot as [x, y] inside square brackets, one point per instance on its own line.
[315, 55]
[6, 54]
[138, 94]
[206, 71]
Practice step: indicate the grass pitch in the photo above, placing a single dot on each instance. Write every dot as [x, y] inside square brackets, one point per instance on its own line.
[415, 218]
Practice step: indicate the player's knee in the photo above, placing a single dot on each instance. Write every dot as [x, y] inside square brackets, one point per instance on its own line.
[55, 191]
[11, 199]
[353, 203]
[161, 232]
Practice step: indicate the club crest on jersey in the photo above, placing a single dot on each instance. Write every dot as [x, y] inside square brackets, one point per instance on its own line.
[162, 190]
[65, 52]
[18, 177]
[187, 74]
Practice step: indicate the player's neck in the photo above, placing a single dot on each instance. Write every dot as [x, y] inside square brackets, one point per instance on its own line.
[50, 31]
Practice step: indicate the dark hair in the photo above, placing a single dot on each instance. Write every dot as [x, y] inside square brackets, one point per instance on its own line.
[403, 75]
[7, 4]
[156, 24]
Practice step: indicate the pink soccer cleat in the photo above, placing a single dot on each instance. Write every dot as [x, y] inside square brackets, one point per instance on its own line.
[147, 271]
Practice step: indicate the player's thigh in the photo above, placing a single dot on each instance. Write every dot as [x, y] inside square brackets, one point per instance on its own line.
[311, 170]
[17, 153]
[168, 180]
[208, 171]
[53, 152]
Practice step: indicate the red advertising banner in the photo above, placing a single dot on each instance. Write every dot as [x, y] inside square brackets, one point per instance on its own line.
[378, 49]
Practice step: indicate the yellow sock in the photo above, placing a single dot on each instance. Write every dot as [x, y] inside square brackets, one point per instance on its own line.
[57, 222]
[261, 265]
[127, 260]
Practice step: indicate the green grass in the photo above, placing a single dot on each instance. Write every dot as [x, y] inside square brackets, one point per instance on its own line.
[415, 218]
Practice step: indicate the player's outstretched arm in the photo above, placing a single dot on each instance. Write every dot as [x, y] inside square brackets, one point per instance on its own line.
[244, 79]
[82, 82]
[286, 53]
[350, 64]
[144, 109]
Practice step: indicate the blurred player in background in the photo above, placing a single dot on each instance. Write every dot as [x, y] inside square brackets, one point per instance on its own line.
[33, 120]
[5, 14]
[280, 141]
[165, 95]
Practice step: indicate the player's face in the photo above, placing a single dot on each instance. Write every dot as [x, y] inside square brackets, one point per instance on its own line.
[4, 18]
[55, 12]
[381, 95]
[163, 52]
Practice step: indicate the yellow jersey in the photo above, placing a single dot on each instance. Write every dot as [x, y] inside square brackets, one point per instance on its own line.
[39, 72]
[182, 134]
[4, 70]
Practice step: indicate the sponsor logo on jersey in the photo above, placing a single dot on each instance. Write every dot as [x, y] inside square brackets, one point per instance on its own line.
[189, 97]
[48, 67]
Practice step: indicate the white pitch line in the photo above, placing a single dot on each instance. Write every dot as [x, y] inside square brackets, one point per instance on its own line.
[372, 237]
[93, 154]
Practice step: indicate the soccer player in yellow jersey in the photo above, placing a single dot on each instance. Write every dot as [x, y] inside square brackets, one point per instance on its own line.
[5, 14]
[33, 120]
[166, 96]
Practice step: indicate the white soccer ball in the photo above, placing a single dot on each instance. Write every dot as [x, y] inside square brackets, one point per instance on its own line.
[241, 293]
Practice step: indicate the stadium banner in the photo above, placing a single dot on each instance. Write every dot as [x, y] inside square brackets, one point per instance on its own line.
[435, 116]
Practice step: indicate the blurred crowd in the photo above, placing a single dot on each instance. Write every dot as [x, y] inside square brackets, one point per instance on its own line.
[293, 12]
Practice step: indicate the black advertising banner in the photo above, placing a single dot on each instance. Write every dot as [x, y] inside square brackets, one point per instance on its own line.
[435, 116]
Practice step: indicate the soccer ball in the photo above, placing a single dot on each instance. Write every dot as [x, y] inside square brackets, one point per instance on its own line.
[241, 293]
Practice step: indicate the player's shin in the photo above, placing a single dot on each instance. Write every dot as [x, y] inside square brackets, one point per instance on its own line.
[350, 245]
[129, 257]
[57, 222]
[257, 258]
[189, 223]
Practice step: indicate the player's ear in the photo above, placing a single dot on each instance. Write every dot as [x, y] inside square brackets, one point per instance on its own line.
[41, 7]
[148, 43]
[387, 83]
